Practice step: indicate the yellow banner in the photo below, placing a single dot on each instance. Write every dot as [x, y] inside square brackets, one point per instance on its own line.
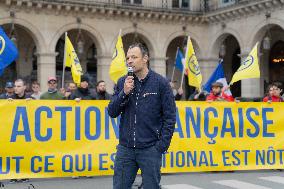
[64, 138]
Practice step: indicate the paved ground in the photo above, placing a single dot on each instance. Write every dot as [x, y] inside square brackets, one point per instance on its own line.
[271, 179]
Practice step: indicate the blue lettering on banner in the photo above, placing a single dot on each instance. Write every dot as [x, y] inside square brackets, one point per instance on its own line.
[97, 125]
[38, 133]
[63, 110]
[102, 161]
[115, 125]
[254, 124]
[195, 122]
[266, 122]
[21, 114]
[5, 165]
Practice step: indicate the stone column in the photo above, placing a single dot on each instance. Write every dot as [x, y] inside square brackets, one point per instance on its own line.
[158, 64]
[46, 66]
[103, 72]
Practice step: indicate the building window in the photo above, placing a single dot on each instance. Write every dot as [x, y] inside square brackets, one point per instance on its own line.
[175, 4]
[184, 4]
[136, 2]
[126, 1]
[139, 2]
[227, 2]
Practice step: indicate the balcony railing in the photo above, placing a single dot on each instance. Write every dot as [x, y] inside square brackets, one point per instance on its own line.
[173, 6]
[152, 5]
[235, 3]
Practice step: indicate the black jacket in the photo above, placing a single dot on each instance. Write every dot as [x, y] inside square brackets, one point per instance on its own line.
[102, 96]
[148, 114]
[25, 96]
[84, 94]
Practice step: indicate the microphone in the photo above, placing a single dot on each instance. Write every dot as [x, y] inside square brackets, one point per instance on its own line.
[130, 71]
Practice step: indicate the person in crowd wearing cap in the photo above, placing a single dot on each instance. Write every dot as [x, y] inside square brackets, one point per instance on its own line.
[83, 92]
[101, 93]
[177, 93]
[274, 94]
[9, 88]
[36, 90]
[52, 92]
[218, 93]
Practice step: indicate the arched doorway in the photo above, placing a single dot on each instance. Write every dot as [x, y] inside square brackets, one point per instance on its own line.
[131, 38]
[86, 51]
[276, 62]
[227, 47]
[271, 38]
[179, 43]
[25, 66]
[232, 62]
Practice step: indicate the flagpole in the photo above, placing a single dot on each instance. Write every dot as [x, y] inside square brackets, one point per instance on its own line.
[64, 59]
[182, 77]
[120, 32]
[174, 65]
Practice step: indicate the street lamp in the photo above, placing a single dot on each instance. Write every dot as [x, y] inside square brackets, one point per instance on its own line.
[266, 43]
[80, 42]
[13, 32]
[135, 38]
[222, 51]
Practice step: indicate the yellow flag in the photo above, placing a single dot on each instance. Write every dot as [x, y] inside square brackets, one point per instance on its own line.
[71, 60]
[249, 67]
[192, 67]
[118, 66]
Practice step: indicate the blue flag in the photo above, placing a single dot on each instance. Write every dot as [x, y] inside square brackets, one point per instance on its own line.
[179, 61]
[217, 76]
[8, 51]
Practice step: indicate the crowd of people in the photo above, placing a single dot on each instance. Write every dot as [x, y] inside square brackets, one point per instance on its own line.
[219, 92]
[18, 90]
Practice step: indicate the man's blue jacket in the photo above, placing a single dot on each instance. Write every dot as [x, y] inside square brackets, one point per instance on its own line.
[148, 113]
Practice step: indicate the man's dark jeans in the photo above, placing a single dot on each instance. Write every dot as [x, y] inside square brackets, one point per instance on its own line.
[129, 160]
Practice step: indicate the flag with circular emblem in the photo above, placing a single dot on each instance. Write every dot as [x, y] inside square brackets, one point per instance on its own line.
[118, 66]
[8, 51]
[249, 68]
[192, 66]
[71, 60]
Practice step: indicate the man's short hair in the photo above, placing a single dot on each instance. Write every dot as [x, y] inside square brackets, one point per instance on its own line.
[217, 84]
[101, 81]
[35, 83]
[143, 48]
[277, 84]
[21, 80]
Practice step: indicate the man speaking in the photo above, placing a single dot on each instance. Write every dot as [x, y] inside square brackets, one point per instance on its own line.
[146, 104]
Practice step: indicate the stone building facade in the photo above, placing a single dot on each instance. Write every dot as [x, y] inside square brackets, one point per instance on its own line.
[229, 26]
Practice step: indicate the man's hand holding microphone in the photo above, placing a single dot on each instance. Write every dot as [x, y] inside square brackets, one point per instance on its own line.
[129, 81]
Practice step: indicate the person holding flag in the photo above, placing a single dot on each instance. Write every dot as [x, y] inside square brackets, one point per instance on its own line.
[118, 66]
[8, 51]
